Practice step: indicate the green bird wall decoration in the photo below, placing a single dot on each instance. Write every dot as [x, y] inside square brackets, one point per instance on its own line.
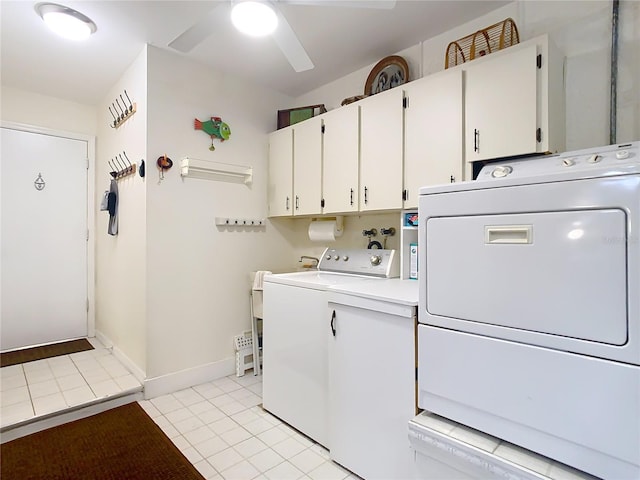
[215, 128]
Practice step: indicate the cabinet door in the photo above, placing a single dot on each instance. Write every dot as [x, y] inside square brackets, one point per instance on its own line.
[372, 392]
[280, 191]
[381, 151]
[340, 160]
[501, 106]
[433, 138]
[307, 167]
[295, 379]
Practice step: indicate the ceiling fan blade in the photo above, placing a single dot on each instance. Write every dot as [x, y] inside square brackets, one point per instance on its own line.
[288, 42]
[193, 36]
[379, 4]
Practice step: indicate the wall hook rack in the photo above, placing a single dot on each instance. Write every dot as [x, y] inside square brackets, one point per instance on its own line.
[122, 112]
[121, 167]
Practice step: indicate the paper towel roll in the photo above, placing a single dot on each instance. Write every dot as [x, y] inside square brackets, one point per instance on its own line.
[324, 231]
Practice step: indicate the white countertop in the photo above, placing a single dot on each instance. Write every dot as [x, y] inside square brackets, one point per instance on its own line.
[392, 290]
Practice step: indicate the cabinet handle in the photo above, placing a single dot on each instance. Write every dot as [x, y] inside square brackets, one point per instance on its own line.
[333, 319]
[287, 203]
[366, 197]
[297, 203]
[351, 197]
[476, 140]
[453, 179]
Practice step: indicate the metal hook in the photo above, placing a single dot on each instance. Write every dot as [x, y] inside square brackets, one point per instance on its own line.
[128, 169]
[114, 170]
[128, 161]
[122, 169]
[121, 110]
[126, 109]
[114, 117]
[130, 104]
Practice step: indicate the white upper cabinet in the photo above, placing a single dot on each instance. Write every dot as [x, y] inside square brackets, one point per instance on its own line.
[381, 139]
[513, 102]
[376, 154]
[340, 160]
[433, 125]
[280, 190]
[307, 167]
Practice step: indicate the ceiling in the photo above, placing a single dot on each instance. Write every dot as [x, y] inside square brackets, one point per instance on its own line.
[338, 39]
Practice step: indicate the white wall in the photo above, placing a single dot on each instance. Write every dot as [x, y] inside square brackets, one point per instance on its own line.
[20, 106]
[581, 30]
[198, 274]
[121, 281]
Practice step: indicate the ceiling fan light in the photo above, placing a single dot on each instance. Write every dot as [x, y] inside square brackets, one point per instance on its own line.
[65, 21]
[254, 18]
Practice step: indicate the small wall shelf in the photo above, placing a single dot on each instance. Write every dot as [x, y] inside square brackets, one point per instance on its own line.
[205, 169]
[408, 235]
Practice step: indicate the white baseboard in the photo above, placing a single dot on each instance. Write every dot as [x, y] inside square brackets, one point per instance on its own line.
[135, 370]
[154, 387]
[171, 382]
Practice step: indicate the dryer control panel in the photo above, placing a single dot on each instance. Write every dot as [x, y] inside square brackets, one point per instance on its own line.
[609, 160]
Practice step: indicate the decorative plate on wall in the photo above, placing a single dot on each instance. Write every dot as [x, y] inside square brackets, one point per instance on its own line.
[387, 73]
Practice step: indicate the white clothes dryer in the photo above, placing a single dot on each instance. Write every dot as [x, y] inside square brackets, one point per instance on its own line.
[530, 308]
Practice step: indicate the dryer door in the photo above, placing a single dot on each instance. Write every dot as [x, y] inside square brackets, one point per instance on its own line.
[551, 272]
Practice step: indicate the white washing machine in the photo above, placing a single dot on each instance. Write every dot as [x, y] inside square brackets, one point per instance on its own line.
[296, 330]
[530, 309]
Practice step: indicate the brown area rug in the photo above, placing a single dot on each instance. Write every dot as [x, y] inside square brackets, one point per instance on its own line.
[46, 351]
[120, 444]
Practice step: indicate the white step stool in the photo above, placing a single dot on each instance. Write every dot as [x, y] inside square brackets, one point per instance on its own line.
[244, 352]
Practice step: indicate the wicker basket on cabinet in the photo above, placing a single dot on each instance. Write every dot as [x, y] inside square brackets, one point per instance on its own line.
[496, 37]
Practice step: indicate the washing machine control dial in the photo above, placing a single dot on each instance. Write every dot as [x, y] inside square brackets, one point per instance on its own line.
[594, 158]
[328, 257]
[336, 258]
[375, 260]
[501, 171]
[622, 154]
[345, 258]
[568, 162]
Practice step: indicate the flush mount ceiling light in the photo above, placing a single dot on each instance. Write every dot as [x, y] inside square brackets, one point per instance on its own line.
[65, 21]
[254, 18]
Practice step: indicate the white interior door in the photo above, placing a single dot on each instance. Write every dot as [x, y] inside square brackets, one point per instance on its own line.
[43, 239]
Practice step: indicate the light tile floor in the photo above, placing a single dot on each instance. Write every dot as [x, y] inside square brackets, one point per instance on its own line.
[222, 429]
[219, 426]
[34, 389]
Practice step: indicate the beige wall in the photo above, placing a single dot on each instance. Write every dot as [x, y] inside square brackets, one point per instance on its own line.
[198, 274]
[121, 281]
[29, 108]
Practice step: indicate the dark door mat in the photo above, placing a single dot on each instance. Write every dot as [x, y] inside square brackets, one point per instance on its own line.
[45, 351]
[122, 443]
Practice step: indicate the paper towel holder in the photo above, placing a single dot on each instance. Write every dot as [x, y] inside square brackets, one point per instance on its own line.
[339, 219]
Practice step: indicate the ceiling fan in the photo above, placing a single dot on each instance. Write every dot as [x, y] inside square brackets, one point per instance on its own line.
[284, 36]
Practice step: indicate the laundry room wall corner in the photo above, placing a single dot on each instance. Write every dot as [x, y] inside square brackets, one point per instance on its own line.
[121, 259]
